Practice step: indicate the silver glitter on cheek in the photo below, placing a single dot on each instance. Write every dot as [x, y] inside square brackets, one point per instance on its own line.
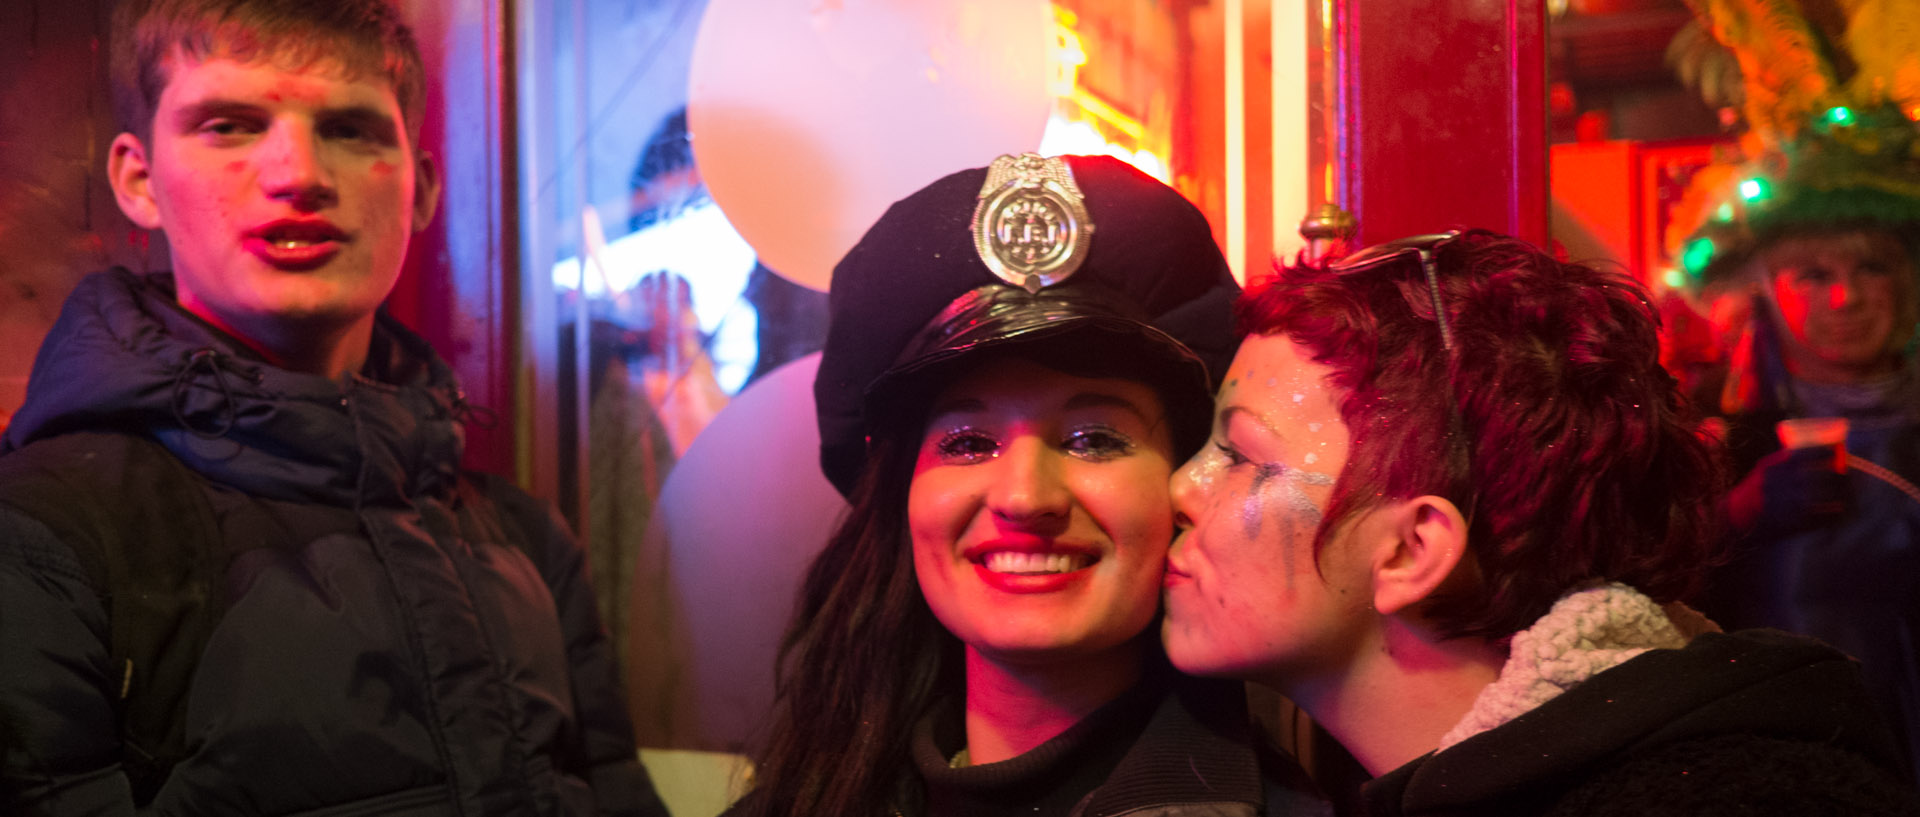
[1279, 493]
[1278, 481]
[1253, 512]
[1297, 499]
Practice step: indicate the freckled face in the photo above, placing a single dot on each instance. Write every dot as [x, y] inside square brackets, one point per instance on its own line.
[288, 195]
[1039, 512]
[1245, 597]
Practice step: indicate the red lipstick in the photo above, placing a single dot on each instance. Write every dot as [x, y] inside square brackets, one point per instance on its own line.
[1031, 564]
[294, 245]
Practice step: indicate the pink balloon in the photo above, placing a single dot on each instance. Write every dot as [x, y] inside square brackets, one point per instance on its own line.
[739, 519]
[810, 117]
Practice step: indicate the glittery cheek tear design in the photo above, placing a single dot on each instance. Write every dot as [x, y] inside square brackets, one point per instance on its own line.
[1278, 492]
[1297, 499]
[1253, 511]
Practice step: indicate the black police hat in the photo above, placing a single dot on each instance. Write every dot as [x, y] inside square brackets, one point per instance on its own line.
[1146, 295]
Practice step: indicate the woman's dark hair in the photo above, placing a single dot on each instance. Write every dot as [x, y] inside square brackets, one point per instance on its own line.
[865, 657]
[862, 660]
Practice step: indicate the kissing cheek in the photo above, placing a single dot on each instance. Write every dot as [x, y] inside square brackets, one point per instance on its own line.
[1244, 591]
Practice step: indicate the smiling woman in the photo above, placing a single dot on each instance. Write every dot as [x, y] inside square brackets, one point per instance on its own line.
[1040, 516]
[1014, 364]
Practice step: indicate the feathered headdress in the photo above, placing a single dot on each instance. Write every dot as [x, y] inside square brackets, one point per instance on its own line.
[1830, 94]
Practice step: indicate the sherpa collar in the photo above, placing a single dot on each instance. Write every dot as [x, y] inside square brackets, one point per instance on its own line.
[1587, 632]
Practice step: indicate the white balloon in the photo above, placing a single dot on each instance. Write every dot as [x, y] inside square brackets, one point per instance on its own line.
[738, 520]
[810, 117]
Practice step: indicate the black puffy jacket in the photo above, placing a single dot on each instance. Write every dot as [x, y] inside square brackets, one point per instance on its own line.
[228, 588]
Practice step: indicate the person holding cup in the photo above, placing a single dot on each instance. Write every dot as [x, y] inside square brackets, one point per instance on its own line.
[1801, 246]
[1821, 416]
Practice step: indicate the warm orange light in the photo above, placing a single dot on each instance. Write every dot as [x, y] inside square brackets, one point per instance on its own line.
[1068, 54]
[1085, 123]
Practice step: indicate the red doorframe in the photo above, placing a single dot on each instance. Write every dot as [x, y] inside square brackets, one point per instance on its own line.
[1444, 116]
[460, 286]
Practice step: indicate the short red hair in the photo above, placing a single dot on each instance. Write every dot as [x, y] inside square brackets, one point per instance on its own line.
[1582, 462]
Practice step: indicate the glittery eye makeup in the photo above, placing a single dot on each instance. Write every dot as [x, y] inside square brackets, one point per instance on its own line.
[1094, 442]
[966, 444]
[1098, 442]
[1226, 450]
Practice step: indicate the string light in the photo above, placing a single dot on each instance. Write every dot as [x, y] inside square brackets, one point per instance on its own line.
[1696, 256]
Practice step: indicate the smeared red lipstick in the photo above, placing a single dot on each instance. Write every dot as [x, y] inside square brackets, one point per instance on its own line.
[295, 245]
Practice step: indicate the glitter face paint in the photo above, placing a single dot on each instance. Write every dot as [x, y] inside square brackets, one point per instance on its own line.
[1279, 494]
[1244, 592]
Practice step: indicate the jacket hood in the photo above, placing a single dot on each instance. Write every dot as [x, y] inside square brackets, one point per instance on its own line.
[123, 356]
[1761, 683]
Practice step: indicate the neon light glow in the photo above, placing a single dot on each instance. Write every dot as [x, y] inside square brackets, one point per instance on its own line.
[1083, 122]
[1697, 255]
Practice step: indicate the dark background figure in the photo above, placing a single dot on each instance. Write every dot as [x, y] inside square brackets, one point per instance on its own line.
[792, 319]
[1826, 536]
[1804, 260]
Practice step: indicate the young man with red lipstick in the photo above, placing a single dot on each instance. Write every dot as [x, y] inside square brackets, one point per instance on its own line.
[241, 571]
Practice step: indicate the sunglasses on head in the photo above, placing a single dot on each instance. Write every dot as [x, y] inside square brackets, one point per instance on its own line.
[1422, 247]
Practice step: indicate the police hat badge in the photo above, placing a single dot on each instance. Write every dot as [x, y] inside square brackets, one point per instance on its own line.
[1030, 225]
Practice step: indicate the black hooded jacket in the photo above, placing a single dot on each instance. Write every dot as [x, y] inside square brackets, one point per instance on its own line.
[229, 588]
[1757, 722]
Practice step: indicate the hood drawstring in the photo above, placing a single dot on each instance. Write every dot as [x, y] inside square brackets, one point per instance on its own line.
[210, 359]
[473, 414]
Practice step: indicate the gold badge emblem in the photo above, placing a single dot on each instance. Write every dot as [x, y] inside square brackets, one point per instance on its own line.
[1030, 225]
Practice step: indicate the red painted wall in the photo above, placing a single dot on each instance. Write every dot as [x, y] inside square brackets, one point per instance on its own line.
[460, 287]
[1446, 116]
[58, 220]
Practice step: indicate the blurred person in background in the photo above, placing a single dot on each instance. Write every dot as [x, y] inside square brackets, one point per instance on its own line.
[1802, 251]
